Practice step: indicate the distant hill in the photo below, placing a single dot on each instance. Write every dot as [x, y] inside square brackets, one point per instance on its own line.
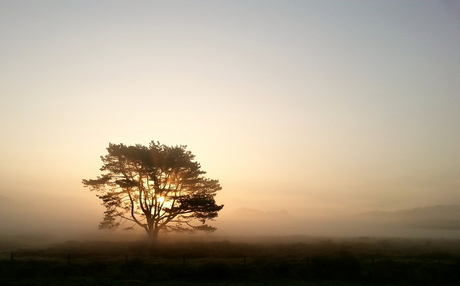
[7, 203]
[247, 222]
[22, 217]
[437, 217]
[436, 221]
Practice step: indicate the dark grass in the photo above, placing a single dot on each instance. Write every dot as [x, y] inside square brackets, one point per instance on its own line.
[320, 261]
[127, 282]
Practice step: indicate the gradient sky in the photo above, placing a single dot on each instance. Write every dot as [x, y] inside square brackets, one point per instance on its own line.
[315, 107]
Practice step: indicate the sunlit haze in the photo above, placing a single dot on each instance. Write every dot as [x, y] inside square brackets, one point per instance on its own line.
[301, 109]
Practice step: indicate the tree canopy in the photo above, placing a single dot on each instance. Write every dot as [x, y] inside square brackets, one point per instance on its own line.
[158, 188]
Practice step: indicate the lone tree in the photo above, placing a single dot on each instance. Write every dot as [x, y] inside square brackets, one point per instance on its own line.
[159, 188]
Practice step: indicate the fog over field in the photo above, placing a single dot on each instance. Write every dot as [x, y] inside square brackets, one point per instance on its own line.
[35, 225]
[318, 118]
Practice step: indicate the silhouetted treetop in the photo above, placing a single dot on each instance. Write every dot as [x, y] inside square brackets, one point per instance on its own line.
[159, 188]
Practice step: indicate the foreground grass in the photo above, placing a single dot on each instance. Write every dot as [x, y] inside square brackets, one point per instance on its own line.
[315, 262]
[112, 282]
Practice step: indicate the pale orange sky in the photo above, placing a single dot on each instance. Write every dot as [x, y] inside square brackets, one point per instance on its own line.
[315, 107]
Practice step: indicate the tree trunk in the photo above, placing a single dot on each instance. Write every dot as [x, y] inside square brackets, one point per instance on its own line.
[153, 240]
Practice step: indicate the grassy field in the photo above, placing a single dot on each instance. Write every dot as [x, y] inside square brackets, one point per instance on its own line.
[127, 282]
[282, 261]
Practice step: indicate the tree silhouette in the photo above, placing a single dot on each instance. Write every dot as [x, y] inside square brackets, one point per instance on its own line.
[159, 188]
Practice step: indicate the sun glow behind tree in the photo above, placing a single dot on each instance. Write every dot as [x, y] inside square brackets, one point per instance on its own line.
[158, 188]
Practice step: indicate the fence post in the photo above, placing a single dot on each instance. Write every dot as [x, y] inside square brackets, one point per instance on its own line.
[439, 270]
[12, 255]
[308, 270]
[68, 260]
[373, 269]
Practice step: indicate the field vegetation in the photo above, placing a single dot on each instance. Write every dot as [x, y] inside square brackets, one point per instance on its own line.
[298, 260]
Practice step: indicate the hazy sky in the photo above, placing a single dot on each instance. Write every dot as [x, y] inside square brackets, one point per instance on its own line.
[313, 107]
